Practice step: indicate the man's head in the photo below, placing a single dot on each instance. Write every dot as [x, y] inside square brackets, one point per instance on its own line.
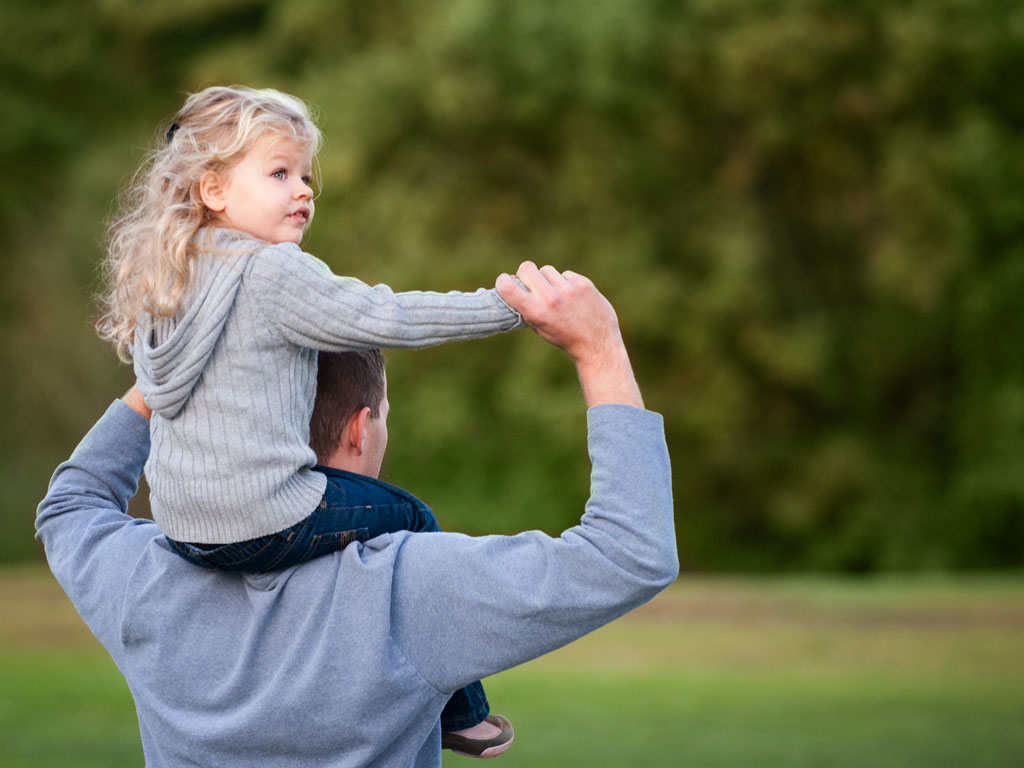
[348, 429]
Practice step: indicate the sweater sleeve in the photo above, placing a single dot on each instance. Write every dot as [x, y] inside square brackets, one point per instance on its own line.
[470, 607]
[90, 540]
[314, 308]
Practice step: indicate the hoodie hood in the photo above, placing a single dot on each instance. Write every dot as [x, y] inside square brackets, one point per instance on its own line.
[170, 354]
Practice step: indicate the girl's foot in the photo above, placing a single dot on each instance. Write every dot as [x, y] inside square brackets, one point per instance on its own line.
[488, 738]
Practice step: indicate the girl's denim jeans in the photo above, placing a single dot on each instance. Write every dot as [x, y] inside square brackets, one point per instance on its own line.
[354, 508]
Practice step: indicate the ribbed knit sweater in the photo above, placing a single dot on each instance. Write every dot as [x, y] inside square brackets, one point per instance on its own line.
[231, 379]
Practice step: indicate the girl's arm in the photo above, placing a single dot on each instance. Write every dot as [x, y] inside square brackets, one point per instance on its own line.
[317, 309]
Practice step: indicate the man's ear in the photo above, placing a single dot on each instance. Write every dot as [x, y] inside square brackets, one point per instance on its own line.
[355, 431]
[213, 191]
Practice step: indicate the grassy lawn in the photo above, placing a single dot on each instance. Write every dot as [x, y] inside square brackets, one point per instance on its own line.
[715, 672]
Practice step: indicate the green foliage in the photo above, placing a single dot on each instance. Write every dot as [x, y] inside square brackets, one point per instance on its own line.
[809, 215]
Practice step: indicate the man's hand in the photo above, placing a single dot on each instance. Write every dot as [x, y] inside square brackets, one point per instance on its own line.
[566, 310]
[133, 399]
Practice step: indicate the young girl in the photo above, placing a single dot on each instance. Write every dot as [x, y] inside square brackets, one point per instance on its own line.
[222, 315]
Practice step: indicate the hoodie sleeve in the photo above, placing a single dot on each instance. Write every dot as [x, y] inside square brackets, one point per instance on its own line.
[314, 308]
[467, 607]
[89, 539]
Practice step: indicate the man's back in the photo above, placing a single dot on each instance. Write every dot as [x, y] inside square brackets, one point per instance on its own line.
[348, 659]
[297, 670]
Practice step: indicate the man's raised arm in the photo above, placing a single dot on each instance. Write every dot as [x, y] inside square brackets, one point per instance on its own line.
[91, 543]
[469, 607]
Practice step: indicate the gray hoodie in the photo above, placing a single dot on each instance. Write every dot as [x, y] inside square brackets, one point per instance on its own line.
[231, 379]
[346, 660]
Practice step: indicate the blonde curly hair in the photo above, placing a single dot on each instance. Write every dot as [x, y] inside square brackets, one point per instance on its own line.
[151, 242]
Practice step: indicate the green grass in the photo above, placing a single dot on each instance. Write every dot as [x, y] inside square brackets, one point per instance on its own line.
[62, 701]
[794, 672]
[785, 672]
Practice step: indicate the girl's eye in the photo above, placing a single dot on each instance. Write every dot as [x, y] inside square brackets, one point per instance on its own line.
[307, 180]
[278, 174]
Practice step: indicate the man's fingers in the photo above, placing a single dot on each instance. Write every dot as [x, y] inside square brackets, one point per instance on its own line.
[552, 275]
[507, 285]
[134, 399]
[532, 277]
[516, 294]
[547, 282]
[576, 278]
[544, 296]
[526, 268]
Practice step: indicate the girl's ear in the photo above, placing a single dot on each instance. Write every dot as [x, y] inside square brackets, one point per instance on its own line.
[213, 191]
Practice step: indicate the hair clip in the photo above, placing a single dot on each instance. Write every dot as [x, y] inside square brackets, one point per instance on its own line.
[171, 131]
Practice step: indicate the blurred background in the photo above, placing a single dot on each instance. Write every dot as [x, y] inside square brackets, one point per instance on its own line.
[810, 217]
[808, 213]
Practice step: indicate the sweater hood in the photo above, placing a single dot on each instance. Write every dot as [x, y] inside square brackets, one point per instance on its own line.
[170, 354]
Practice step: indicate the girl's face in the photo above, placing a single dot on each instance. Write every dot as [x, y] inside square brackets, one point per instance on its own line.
[268, 193]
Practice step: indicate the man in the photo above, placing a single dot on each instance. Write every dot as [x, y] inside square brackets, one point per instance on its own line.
[349, 659]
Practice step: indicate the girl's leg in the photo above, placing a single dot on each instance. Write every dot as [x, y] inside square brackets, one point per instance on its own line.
[353, 508]
[468, 729]
[467, 707]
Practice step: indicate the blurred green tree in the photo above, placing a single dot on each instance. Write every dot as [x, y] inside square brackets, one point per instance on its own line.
[808, 213]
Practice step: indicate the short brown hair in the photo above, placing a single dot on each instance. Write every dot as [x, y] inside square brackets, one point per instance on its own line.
[345, 383]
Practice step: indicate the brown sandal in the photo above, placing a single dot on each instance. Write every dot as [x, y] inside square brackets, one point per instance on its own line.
[491, 747]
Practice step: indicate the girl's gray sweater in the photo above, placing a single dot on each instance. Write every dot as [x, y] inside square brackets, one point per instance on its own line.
[231, 379]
